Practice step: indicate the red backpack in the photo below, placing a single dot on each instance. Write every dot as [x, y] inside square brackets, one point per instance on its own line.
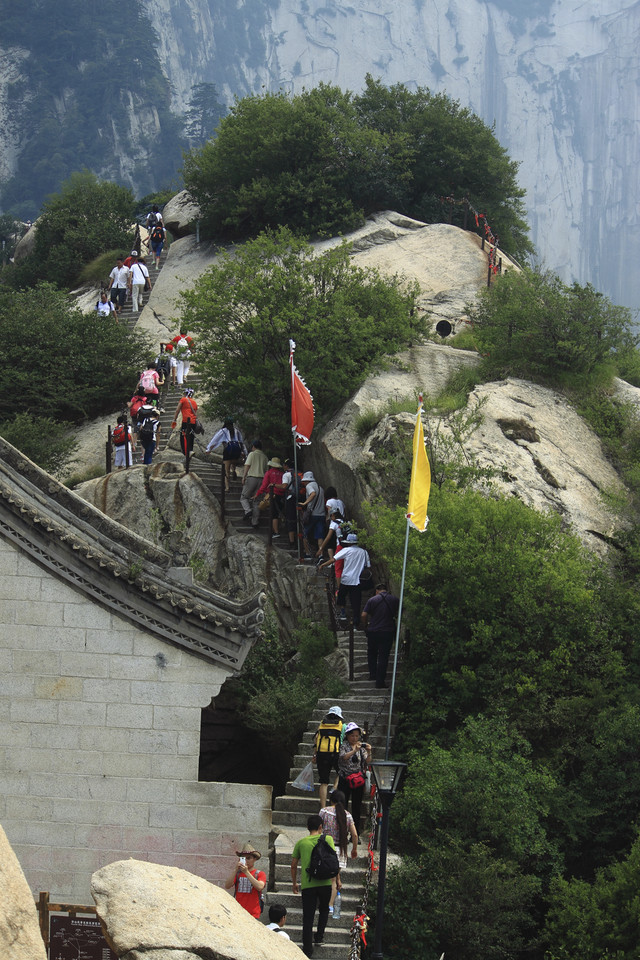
[119, 435]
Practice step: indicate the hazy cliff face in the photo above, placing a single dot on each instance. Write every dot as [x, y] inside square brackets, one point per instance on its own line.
[557, 77]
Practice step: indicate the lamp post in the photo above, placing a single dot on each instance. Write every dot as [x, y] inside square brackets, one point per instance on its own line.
[387, 775]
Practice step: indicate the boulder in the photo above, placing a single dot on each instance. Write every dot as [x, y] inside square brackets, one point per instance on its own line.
[180, 213]
[20, 937]
[154, 912]
[25, 245]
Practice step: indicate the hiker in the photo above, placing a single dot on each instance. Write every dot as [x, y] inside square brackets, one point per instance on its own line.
[233, 449]
[157, 237]
[181, 349]
[148, 429]
[119, 437]
[290, 501]
[187, 409]
[314, 892]
[350, 561]
[378, 622]
[105, 308]
[150, 379]
[333, 502]
[254, 469]
[326, 747]
[333, 536]
[277, 919]
[248, 883]
[137, 401]
[118, 284]
[138, 277]
[271, 486]
[312, 512]
[352, 760]
[338, 823]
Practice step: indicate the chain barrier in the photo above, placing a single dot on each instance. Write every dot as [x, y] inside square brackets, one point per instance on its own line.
[360, 920]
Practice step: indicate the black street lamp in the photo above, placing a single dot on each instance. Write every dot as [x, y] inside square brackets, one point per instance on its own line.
[387, 775]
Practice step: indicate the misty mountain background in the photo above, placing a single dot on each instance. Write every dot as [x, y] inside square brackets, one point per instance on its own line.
[123, 89]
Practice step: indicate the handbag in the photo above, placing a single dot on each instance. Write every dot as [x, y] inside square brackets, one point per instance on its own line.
[198, 428]
[355, 780]
[366, 577]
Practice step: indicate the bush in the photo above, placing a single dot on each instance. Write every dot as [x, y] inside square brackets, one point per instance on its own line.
[532, 325]
[41, 439]
[64, 364]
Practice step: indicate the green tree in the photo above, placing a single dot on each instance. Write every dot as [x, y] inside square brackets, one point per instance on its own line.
[204, 114]
[454, 154]
[531, 324]
[42, 439]
[599, 920]
[64, 365]
[505, 610]
[245, 308]
[304, 161]
[86, 218]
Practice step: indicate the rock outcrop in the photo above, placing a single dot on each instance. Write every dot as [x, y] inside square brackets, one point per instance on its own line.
[542, 450]
[180, 213]
[153, 912]
[20, 937]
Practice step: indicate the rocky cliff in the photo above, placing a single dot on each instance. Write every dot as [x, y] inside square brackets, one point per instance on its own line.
[555, 77]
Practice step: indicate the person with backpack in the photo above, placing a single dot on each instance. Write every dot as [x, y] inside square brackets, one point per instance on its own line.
[277, 920]
[313, 511]
[138, 276]
[148, 420]
[119, 437]
[157, 237]
[181, 350]
[233, 449]
[118, 284]
[326, 748]
[149, 381]
[105, 308]
[271, 488]
[318, 861]
[247, 882]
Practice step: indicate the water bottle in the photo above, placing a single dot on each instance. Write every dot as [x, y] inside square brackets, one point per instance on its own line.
[336, 906]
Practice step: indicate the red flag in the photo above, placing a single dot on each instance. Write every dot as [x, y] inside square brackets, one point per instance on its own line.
[301, 404]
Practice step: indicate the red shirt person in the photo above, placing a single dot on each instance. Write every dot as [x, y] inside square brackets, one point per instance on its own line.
[248, 883]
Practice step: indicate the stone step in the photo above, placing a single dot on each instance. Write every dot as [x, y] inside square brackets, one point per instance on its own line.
[297, 802]
[352, 877]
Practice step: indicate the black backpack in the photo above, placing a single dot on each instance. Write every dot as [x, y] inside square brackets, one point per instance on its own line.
[157, 234]
[146, 429]
[324, 862]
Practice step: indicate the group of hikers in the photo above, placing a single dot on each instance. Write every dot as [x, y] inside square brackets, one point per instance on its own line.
[130, 276]
[339, 750]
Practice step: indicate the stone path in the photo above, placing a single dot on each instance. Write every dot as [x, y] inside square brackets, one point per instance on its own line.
[369, 707]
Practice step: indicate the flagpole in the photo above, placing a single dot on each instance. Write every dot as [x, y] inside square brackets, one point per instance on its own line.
[295, 458]
[395, 656]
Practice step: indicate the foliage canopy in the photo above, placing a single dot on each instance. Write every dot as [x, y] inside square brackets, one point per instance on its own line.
[64, 364]
[87, 217]
[319, 161]
[245, 308]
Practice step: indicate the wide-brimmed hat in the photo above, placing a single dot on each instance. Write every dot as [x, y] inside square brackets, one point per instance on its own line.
[351, 538]
[350, 727]
[134, 253]
[307, 477]
[248, 850]
[275, 462]
[336, 712]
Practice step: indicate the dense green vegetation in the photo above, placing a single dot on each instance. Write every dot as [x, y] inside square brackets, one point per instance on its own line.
[86, 218]
[520, 700]
[64, 364]
[319, 161]
[88, 70]
[243, 311]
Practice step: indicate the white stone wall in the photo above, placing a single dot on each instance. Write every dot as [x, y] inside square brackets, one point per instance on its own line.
[99, 743]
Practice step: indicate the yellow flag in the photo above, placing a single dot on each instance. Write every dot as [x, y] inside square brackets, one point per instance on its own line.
[420, 479]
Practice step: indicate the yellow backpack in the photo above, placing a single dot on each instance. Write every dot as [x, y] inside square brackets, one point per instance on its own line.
[328, 736]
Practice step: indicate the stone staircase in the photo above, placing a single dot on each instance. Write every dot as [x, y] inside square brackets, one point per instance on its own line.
[368, 707]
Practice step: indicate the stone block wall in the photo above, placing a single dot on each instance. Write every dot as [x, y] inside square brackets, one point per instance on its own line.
[99, 743]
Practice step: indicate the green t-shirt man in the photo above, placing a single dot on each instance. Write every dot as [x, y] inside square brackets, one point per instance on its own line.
[302, 855]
